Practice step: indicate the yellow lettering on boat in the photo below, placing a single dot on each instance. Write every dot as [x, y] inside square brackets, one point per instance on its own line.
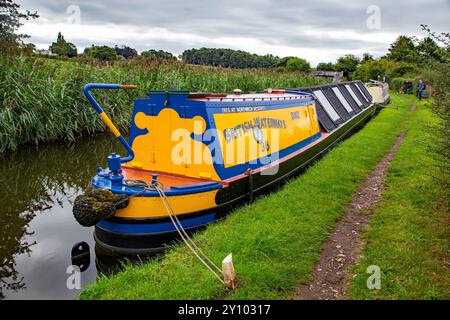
[247, 136]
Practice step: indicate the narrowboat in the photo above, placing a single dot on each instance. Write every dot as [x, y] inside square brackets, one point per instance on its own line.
[379, 91]
[209, 153]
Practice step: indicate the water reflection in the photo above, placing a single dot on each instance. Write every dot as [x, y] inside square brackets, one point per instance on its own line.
[37, 229]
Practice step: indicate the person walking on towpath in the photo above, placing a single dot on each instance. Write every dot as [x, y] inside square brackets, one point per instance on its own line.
[420, 89]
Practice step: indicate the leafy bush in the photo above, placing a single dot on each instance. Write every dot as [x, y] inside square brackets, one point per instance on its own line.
[326, 66]
[401, 68]
[297, 64]
[348, 64]
[158, 55]
[229, 58]
[126, 52]
[63, 48]
[104, 53]
[371, 69]
[396, 84]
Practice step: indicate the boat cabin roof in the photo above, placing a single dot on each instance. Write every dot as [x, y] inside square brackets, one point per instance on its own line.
[267, 95]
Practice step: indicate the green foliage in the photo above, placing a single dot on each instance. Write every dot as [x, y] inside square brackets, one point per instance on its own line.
[403, 49]
[370, 70]
[326, 66]
[103, 53]
[366, 58]
[41, 98]
[297, 64]
[158, 55]
[437, 77]
[10, 22]
[63, 48]
[347, 64]
[402, 69]
[229, 58]
[396, 84]
[126, 52]
[374, 69]
[428, 49]
[435, 65]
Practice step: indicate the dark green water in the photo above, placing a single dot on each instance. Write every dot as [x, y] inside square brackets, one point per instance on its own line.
[37, 229]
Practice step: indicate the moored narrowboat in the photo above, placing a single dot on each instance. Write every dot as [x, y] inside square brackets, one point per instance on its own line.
[379, 91]
[195, 156]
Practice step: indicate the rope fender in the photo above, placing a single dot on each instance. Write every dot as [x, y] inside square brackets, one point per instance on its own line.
[96, 205]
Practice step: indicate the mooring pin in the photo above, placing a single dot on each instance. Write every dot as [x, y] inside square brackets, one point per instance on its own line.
[154, 178]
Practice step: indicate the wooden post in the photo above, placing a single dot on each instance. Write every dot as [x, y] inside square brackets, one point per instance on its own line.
[229, 275]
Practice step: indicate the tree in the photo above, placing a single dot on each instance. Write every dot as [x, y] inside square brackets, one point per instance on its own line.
[371, 69]
[126, 52]
[366, 57]
[158, 55]
[228, 58]
[297, 64]
[10, 22]
[428, 49]
[347, 64]
[63, 48]
[326, 66]
[104, 53]
[291, 63]
[88, 51]
[403, 49]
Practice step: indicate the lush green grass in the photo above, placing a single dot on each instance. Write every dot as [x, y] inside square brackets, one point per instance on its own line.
[41, 99]
[275, 241]
[409, 236]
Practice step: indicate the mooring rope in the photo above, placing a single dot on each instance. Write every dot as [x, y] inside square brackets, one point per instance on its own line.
[158, 187]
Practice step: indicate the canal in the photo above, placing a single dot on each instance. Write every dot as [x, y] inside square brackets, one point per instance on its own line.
[37, 228]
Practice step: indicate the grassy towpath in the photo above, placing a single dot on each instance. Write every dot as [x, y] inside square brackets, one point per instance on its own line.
[275, 241]
[408, 236]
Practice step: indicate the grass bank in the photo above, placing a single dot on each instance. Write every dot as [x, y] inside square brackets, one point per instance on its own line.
[408, 237]
[275, 241]
[41, 99]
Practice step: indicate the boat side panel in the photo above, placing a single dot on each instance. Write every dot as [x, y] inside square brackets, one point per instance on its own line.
[245, 137]
[151, 207]
[186, 137]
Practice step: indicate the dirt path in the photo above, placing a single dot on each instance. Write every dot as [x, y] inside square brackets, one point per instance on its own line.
[343, 248]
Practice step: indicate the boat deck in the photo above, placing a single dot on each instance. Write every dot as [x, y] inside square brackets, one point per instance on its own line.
[168, 180]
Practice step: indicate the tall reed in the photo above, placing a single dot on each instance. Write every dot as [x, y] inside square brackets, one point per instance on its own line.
[41, 99]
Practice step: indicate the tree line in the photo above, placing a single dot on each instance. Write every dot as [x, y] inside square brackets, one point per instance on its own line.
[403, 58]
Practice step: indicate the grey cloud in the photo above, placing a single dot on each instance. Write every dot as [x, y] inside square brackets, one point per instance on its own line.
[270, 21]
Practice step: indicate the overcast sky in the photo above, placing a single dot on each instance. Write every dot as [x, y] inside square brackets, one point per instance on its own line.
[319, 30]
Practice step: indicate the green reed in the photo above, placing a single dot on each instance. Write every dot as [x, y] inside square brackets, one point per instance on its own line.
[41, 99]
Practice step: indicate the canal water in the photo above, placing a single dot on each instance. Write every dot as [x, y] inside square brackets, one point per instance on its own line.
[37, 228]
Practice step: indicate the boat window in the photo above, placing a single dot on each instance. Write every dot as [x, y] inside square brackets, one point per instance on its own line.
[342, 99]
[353, 95]
[326, 104]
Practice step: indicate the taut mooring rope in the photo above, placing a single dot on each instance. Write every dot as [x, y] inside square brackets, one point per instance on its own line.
[204, 259]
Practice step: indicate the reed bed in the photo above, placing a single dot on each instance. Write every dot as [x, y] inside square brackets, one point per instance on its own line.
[41, 99]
